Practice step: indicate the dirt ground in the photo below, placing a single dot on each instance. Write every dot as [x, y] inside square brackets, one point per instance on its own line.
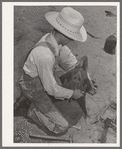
[29, 26]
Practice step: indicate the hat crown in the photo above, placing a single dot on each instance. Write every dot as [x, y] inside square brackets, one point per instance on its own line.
[72, 16]
[70, 19]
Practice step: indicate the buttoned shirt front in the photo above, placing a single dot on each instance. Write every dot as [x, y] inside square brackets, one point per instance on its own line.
[42, 62]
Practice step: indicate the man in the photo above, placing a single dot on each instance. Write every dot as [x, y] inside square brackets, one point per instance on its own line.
[40, 83]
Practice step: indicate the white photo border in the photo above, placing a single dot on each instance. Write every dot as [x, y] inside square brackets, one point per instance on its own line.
[8, 69]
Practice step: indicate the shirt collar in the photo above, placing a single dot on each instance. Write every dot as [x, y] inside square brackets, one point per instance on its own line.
[50, 38]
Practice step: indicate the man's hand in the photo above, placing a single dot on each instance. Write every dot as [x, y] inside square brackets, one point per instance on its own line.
[77, 94]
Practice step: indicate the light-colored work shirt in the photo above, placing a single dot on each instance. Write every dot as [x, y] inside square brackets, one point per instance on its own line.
[41, 61]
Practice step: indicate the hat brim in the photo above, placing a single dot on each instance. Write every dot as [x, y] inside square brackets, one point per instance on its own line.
[80, 36]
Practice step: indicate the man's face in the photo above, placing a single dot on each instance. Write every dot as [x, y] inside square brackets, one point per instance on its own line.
[66, 40]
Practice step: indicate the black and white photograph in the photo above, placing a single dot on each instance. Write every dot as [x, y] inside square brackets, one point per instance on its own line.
[61, 66]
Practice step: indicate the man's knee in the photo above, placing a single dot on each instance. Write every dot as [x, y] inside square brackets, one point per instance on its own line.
[61, 128]
[66, 124]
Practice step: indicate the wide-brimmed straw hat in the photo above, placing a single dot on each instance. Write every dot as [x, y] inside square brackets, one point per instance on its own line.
[69, 22]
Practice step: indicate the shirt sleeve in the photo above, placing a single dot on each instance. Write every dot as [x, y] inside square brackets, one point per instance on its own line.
[67, 59]
[45, 70]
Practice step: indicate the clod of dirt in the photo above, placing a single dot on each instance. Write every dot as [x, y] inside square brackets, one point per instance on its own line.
[109, 14]
[93, 36]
